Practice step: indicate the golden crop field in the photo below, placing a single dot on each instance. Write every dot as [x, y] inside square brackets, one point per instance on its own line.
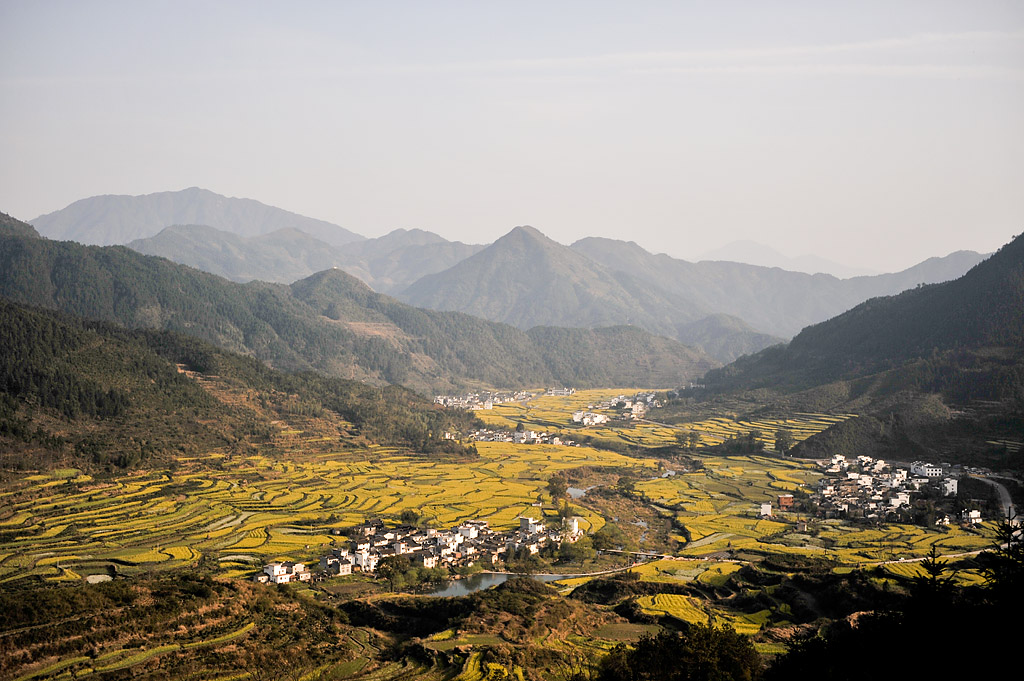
[551, 413]
[239, 511]
[264, 509]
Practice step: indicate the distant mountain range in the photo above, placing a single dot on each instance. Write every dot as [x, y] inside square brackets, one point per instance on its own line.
[727, 309]
[768, 299]
[388, 263]
[965, 337]
[527, 280]
[754, 253]
[110, 220]
[330, 322]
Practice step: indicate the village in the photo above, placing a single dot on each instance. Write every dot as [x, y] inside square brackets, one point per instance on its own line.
[873, 490]
[487, 400]
[470, 543]
[622, 407]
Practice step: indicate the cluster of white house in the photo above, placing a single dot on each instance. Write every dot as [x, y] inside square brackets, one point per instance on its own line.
[627, 407]
[521, 436]
[283, 573]
[472, 541]
[589, 418]
[483, 400]
[871, 488]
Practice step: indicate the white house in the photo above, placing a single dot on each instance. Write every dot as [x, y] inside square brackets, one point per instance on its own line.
[529, 525]
[283, 573]
[928, 470]
[973, 517]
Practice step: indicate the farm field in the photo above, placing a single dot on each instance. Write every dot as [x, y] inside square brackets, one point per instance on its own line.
[224, 515]
[554, 413]
[234, 513]
[64, 525]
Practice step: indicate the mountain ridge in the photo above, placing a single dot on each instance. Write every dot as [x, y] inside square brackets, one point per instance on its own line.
[979, 315]
[386, 263]
[319, 324]
[772, 300]
[113, 219]
[526, 279]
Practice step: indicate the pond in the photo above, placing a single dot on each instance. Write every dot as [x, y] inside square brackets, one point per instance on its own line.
[481, 581]
[578, 492]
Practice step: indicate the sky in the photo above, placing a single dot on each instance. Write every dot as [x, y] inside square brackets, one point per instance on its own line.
[875, 134]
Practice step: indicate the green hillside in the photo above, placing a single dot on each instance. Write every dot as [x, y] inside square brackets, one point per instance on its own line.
[770, 299]
[94, 393]
[330, 322]
[965, 336]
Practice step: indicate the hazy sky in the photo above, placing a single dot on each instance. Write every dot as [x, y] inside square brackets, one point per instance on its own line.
[875, 134]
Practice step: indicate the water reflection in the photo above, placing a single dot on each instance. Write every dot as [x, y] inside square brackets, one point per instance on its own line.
[484, 580]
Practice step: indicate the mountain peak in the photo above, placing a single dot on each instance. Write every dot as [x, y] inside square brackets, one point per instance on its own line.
[525, 238]
[526, 232]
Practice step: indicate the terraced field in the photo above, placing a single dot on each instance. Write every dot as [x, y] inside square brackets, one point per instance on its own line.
[551, 413]
[240, 511]
[64, 526]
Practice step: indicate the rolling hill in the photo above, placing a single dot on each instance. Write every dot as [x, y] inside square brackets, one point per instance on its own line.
[772, 300]
[99, 395]
[330, 322]
[385, 263]
[526, 279]
[965, 335]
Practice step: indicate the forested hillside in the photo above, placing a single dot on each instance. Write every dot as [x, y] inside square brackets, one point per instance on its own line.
[964, 336]
[331, 322]
[96, 394]
[770, 299]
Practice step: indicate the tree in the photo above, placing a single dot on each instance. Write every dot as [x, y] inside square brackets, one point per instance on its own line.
[931, 590]
[688, 439]
[409, 517]
[558, 486]
[392, 568]
[610, 537]
[1004, 567]
[626, 485]
[701, 653]
[571, 552]
[783, 440]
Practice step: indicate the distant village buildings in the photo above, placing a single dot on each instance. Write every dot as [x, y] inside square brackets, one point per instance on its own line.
[472, 541]
[870, 488]
[484, 400]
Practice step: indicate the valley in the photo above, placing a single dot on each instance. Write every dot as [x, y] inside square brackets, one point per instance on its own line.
[218, 516]
[167, 436]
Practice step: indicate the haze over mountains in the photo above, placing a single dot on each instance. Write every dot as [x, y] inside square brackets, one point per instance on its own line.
[387, 264]
[109, 220]
[981, 312]
[769, 299]
[600, 312]
[330, 322]
[525, 279]
[754, 253]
